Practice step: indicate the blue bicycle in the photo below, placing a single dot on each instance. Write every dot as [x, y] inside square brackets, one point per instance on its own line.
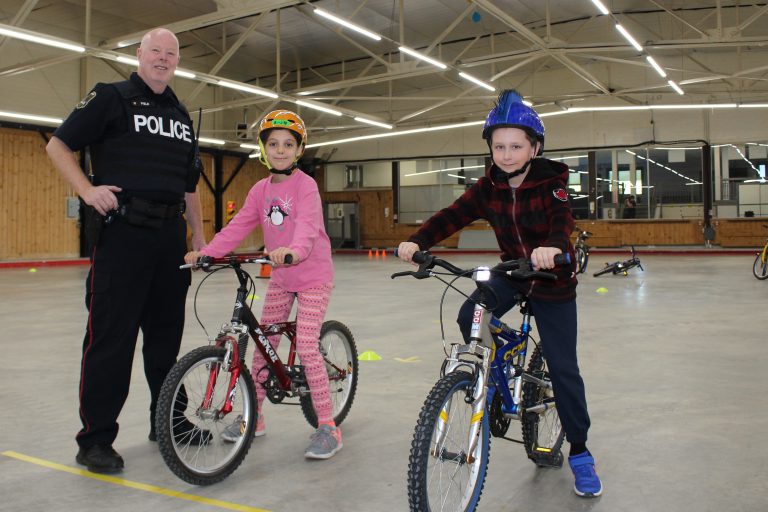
[484, 385]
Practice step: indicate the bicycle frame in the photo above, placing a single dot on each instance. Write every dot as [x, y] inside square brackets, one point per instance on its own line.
[501, 350]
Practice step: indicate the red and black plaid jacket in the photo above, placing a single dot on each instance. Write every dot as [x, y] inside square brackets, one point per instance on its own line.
[535, 214]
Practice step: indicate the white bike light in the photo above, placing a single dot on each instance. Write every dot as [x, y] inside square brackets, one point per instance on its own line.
[482, 274]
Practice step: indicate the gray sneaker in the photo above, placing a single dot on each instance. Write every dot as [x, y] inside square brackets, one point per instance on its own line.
[234, 432]
[323, 445]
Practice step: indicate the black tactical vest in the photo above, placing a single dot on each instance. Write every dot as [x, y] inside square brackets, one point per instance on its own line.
[155, 154]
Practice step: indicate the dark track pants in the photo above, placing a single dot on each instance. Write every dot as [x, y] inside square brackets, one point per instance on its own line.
[557, 326]
[134, 283]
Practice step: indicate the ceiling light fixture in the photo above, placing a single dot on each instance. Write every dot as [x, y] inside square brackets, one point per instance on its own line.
[32, 117]
[17, 34]
[656, 66]
[345, 23]
[676, 87]
[445, 170]
[373, 123]
[477, 81]
[206, 140]
[420, 56]
[601, 7]
[318, 107]
[185, 74]
[629, 37]
[247, 88]
[128, 60]
[394, 134]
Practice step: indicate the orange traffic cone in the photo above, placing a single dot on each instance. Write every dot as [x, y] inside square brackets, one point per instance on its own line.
[370, 254]
[383, 254]
[266, 271]
[377, 254]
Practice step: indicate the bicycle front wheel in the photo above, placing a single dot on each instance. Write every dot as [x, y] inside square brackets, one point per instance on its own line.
[337, 346]
[542, 432]
[190, 423]
[608, 268]
[760, 268]
[447, 467]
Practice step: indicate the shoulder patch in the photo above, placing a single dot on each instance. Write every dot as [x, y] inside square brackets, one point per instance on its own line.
[86, 100]
[560, 194]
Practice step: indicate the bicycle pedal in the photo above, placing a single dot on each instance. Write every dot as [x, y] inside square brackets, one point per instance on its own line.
[548, 460]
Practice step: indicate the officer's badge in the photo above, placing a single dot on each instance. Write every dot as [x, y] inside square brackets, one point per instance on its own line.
[560, 194]
[86, 100]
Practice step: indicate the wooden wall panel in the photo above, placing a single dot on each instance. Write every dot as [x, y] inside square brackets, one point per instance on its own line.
[33, 201]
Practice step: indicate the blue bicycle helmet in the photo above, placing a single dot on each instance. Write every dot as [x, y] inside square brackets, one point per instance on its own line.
[511, 112]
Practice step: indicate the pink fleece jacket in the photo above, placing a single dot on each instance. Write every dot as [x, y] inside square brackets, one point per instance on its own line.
[290, 214]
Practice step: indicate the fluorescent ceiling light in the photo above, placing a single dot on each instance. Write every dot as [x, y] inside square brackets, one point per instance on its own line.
[600, 6]
[206, 140]
[676, 87]
[250, 146]
[31, 117]
[128, 60]
[567, 157]
[374, 123]
[247, 88]
[629, 37]
[656, 66]
[254, 155]
[753, 105]
[446, 170]
[318, 107]
[414, 53]
[345, 23]
[394, 134]
[41, 40]
[184, 74]
[477, 81]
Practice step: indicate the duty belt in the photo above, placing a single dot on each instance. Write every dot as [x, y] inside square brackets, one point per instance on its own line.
[147, 213]
[152, 209]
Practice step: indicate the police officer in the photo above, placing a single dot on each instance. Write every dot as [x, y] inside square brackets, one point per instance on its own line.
[145, 174]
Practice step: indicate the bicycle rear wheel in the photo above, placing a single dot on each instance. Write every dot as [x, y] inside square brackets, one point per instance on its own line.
[760, 268]
[337, 346]
[189, 431]
[443, 474]
[582, 258]
[542, 432]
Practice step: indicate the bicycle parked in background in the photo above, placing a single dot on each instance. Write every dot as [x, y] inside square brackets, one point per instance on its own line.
[582, 250]
[621, 267]
[760, 267]
[211, 388]
[484, 385]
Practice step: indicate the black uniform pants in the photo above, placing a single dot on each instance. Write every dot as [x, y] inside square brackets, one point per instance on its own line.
[557, 326]
[134, 283]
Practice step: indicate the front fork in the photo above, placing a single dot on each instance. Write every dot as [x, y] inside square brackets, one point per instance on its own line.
[480, 371]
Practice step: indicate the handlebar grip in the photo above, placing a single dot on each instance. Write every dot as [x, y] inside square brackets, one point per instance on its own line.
[562, 259]
[419, 257]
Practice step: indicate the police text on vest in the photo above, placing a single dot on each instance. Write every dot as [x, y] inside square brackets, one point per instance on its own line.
[158, 126]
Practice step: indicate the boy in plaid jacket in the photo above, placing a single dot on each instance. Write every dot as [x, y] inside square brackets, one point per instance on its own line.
[524, 198]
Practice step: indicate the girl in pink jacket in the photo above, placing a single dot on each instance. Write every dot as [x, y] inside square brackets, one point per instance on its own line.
[287, 207]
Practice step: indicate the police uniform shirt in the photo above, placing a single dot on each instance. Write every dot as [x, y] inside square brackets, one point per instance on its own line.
[102, 115]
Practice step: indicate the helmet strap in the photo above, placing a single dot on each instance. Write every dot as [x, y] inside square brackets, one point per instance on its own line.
[285, 172]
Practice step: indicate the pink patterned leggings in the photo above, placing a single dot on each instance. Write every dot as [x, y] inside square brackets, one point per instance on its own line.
[312, 304]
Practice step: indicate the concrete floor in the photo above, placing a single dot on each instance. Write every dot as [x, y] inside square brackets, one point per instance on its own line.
[674, 360]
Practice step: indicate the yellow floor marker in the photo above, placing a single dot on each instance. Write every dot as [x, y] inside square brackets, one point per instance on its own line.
[602, 290]
[133, 485]
[412, 359]
[369, 355]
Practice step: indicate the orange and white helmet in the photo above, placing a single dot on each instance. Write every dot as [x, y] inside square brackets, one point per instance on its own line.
[284, 120]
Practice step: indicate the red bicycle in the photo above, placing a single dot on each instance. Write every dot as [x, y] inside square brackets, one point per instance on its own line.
[211, 388]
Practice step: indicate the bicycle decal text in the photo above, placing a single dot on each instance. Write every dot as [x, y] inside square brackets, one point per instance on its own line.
[268, 348]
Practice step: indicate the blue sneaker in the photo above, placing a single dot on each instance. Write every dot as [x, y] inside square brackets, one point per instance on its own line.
[587, 482]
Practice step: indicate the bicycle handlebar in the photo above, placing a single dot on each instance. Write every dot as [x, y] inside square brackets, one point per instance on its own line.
[518, 269]
[206, 262]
